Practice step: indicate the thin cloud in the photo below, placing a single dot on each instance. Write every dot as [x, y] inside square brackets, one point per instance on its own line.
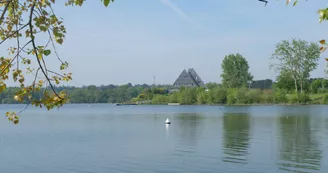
[181, 13]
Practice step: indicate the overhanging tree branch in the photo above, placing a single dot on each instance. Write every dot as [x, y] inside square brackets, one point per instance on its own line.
[4, 11]
[36, 50]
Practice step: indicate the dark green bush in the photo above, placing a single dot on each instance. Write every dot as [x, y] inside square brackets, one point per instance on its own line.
[322, 90]
[241, 96]
[253, 96]
[303, 98]
[231, 99]
[220, 96]
[280, 96]
[299, 98]
[160, 99]
[201, 98]
[187, 96]
[173, 98]
[324, 99]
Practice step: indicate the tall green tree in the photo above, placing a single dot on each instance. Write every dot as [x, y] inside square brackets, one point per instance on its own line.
[235, 71]
[296, 57]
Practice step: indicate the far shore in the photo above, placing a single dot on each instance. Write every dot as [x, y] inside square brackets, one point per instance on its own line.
[257, 104]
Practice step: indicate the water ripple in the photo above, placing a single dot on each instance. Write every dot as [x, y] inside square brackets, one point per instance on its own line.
[134, 139]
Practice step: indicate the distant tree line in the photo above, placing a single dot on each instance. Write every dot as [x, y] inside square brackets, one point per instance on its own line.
[92, 93]
[260, 91]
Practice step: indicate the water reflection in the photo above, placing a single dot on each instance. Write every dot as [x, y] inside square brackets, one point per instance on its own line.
[167, 129]
[187, 129]
[298, 147]
[236, 137]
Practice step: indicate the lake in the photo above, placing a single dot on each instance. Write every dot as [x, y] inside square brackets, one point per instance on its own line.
[103, 138]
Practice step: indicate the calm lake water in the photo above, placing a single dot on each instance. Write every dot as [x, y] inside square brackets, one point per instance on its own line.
[105, 138]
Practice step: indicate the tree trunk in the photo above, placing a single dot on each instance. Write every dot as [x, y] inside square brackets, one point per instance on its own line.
[301, 85]
[295, 81]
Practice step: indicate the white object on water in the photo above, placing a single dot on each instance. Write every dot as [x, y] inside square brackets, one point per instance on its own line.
[167, 121]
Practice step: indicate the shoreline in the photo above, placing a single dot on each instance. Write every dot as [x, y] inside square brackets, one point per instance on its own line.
[255, 104]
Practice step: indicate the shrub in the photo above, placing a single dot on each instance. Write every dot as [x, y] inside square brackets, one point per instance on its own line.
[160, 99]
[322, 90]
[141, 96]
[173, 98]
[219, 96]
[231, 99]
[201, 98]
[266, 98]
[253, 95]
[241, 96]
[299, 98]
[187, 96]
[280, 96]
[303, 98]
[324, 99]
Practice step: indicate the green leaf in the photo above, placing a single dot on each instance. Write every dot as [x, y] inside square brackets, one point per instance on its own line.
[39, 56]
[16, 121]
[60, 41]
[2, 87]
[43, 28]
[323, 14]
[47, 52]
[106, 2]
[295, 3]
[323, 41]
[62, 67]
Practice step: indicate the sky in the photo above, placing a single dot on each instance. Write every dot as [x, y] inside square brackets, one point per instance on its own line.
[132, 41]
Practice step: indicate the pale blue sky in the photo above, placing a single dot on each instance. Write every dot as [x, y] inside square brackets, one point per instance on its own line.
[132, 41]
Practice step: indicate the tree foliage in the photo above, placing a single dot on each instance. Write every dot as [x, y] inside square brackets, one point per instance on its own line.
[235, 71]
[296, 58]
[285, 81]
[24, 22]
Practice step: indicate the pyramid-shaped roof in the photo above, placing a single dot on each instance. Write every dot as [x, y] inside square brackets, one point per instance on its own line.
[195, 76]
[189, 78]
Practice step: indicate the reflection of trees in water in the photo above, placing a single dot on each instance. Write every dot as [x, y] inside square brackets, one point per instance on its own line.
[299, 150]
[187, 131]
[236, 137]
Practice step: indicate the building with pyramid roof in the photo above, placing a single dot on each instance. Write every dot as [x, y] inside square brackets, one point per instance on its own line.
[188, 79]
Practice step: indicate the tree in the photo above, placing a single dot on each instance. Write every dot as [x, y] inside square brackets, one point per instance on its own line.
[212, 85]
[298, 58]
[235, 71]
[24, 22]
[285, 81]
[187, 96]
[217, 95]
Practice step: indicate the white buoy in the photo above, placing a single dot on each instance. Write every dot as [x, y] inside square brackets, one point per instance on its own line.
[167, 121]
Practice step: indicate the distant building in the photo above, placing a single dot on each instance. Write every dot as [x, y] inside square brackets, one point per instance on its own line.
[262, 84]
[188, 79]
